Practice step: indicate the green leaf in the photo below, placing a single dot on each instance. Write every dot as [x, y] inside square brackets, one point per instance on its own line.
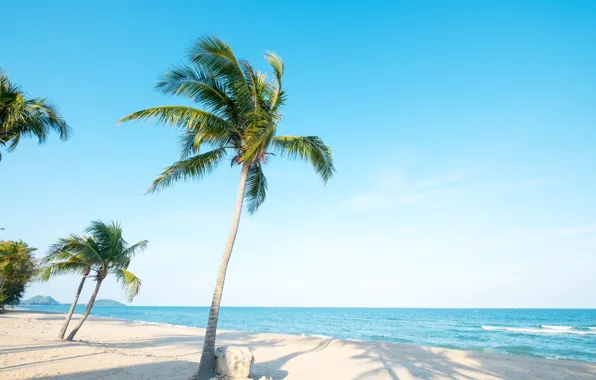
[195, 167]
[198, 85]
[129, 282]
[60, 268]
[256, 188]
[278, 66]
[21, 117]
[308, 148]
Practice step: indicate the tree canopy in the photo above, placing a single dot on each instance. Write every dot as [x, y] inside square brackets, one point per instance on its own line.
[17, 268]
[26, 117]
[238, 119]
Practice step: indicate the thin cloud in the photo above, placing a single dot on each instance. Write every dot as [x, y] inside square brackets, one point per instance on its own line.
[394, 188]
[575, 231]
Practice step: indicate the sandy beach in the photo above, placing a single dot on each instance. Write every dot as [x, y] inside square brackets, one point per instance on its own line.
[112, 349]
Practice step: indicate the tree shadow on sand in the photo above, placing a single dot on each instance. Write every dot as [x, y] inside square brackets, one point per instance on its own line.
[273, 367]
[410, 361]
[172, 347]
[171, 370]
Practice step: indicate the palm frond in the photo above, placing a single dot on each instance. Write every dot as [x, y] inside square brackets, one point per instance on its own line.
[200, 86]
[216, 58]
[278, 66]
[194, 167]
[82, 247]
[256, 187]
[56, 255]
[250, 78]
[190, 142]
[22, 117]
[182, 117]
[258, 135]
[129, 282]
[308, 148]
[204, 126]
[135, 249]
[108, 238]
[47, 112]
[60, 268]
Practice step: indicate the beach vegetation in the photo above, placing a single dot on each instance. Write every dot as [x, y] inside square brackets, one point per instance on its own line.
[98, 254]
[17, 269]
[70, 255]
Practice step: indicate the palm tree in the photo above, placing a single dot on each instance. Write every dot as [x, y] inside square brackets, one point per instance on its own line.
[104, 252]
[23, 117]
[238, 119]
[68, 256]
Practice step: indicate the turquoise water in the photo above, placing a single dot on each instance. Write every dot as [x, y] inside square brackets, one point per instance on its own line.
[549, 333]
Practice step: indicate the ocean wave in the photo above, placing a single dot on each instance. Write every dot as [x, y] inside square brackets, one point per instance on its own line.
[523, 330]
[316, 336]
[558, 328]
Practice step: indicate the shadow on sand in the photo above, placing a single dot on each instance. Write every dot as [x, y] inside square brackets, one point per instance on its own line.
[383, 361]
[411, 361]
[176, 369]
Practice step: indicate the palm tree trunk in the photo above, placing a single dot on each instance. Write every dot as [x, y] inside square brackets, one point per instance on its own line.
[207, 365]
[72, 334]
[72, 307]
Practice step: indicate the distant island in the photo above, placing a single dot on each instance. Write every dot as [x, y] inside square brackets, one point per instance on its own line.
[40, 300]
[108, 303]
[47, 300]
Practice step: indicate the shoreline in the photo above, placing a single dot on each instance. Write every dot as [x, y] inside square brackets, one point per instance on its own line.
[531, 330]
[130, 349]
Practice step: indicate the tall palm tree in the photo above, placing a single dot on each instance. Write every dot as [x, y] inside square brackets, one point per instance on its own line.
[24, 117]
[70, 255]
[238, 119]
[104, 252]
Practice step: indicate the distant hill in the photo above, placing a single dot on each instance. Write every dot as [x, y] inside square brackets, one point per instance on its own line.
[108, 303]
[40, 300]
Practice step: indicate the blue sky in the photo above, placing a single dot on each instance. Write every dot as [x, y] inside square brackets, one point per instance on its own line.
[463, 135]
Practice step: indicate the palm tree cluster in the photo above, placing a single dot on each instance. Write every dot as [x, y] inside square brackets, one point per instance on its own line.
[98, 255]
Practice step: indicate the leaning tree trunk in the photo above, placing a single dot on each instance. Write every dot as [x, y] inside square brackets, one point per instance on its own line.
[100, 277]
[74, 304]
[207, 365]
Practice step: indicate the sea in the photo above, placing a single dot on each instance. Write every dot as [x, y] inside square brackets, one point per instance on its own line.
[547, 333]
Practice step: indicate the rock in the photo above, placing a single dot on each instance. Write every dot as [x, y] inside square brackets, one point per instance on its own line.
[233, 362]
[221, 377]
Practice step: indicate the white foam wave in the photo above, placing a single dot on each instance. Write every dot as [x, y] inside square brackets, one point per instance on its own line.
[559, 328]
[591, 328]
[522, 330]
[315, 336]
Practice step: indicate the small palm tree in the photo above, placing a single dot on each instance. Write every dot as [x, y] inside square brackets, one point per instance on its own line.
[71, 255]
[23, 117]
[239, 118]
[104, 252]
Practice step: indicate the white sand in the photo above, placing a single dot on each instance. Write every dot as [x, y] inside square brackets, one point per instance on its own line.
[109, 349]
